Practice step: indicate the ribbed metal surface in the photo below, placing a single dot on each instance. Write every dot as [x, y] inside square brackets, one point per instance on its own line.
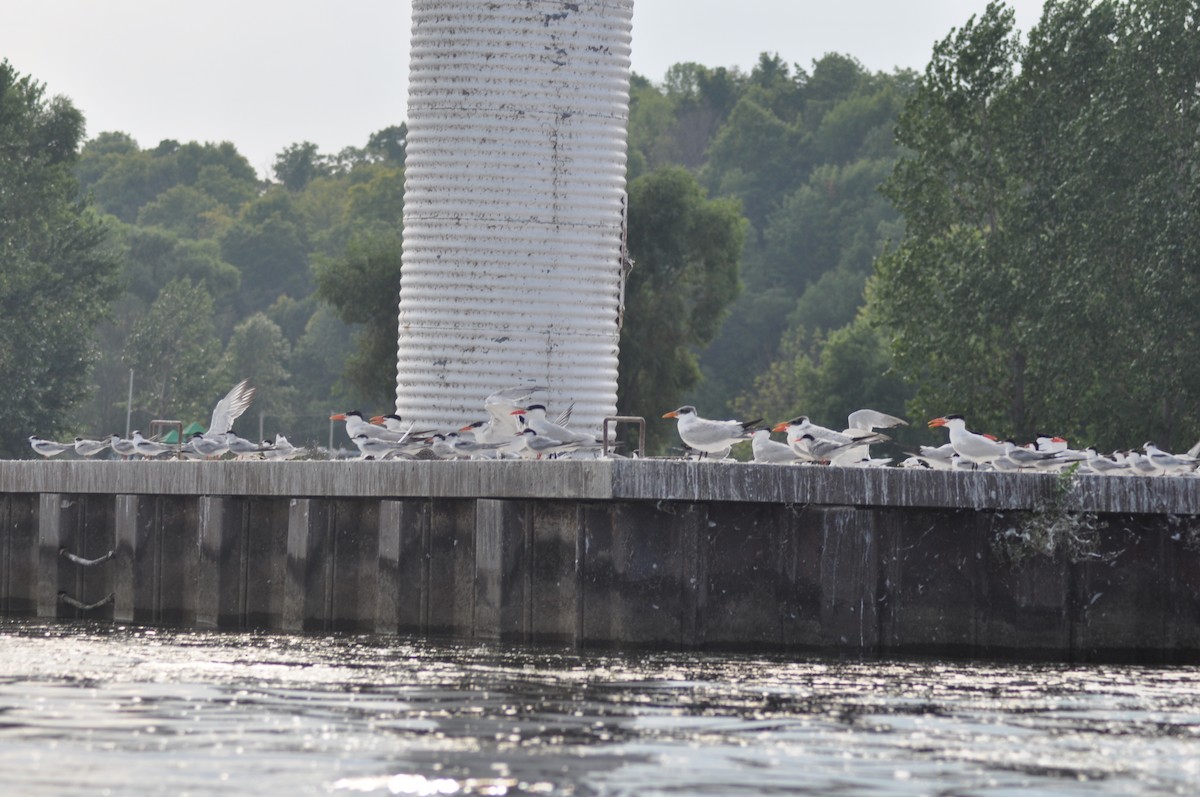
[513, 205]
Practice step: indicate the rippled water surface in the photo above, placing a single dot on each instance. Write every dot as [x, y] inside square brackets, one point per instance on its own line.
[91, 709]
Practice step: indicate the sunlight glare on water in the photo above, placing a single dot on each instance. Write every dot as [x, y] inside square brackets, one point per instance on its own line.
[96, 709]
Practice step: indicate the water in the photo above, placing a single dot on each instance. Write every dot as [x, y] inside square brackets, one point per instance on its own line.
[96, 710]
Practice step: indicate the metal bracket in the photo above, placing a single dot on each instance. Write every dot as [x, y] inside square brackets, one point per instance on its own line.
[79, 560]
[635, 419]
[63, 597]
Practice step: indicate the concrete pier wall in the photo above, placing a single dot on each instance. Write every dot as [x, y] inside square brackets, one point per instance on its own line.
[635, 554]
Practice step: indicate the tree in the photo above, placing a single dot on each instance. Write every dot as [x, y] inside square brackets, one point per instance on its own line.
[300, 164]
[258, 351]
[686, 250]
[363, 287]
[1051, 212]
[172, 350]
[57, 276]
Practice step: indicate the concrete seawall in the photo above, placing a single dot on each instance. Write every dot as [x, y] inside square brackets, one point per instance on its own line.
[620, 553]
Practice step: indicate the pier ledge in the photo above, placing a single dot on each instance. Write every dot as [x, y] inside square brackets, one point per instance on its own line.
[617, 553]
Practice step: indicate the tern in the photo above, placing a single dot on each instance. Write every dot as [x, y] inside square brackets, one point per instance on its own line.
[373, 447]
[1168, 463]
[122, 447]
[242, 448]
[47, 448]
[281, 449]
[229, 409]
[1100, 464]
[535, 419]
[149, 448]
[89, 448]
[200, 447]
[975, 448]
[705, 436]
[767, 450]
[865, 420]
[822, 451]
[841, 441]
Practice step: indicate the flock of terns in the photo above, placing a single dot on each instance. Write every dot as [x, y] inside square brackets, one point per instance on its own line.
[517, 427]
[808, 443]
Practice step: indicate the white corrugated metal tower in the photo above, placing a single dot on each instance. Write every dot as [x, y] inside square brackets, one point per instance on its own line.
[514, 196]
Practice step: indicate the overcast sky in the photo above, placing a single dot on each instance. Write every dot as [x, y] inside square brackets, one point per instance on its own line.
[268, 73]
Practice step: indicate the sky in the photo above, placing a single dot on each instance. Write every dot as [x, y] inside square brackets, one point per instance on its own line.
[265, 74]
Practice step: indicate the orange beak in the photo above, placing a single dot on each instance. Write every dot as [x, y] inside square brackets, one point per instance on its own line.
[377, 420]
[517, 412]
[341, 416]
[780, 427]
[466, 428]
[671, 414]
[936, 422]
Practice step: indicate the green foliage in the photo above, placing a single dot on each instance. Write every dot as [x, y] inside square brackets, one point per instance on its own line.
[57, 275]
[363, 287]
[258, 350]
[1051, 209]
[173, 349]
[685, 249]
[828, 377]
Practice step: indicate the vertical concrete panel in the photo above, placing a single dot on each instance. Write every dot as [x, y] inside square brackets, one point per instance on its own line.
[22, 554]
[1024, 607]
[221, 563]
[355, 561]
[307, 594]
[179, 559]
[137, 560]
[403, 601]
[451, 567]
[931, 570]
[502, 570]
[1183, 611]
[633, 591]
[97, 540]
[801, 536]
[743, 562]
[597, 576]
[555, 584]
[1120, 610]
[81, 525]
[266, 527]
[849, 579]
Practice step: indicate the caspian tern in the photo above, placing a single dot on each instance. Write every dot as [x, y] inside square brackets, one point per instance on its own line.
[839, 442]
[974, 448]
[705, 436]
[89, 448]
[47, 448]
[767, 450]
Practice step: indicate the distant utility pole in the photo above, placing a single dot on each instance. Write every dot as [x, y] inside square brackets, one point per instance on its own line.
[129, 404]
